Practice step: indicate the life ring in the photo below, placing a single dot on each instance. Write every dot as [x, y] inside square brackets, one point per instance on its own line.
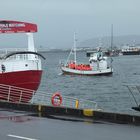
[56, 99]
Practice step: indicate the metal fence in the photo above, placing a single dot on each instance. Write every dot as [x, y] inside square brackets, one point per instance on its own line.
[47, 99]
[22, 95]
[135, 92]
[15, 94]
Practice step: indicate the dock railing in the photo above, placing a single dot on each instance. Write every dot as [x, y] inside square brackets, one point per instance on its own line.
[15, 94]
[135, 92]
[46, 99]
[22, 95]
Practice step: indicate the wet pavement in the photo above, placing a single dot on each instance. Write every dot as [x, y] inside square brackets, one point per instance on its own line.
[16, 125]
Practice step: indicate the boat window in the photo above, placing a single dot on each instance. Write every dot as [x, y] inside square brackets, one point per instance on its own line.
[3, 68]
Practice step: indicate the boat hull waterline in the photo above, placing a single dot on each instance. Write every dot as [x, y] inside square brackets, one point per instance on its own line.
[69, 71]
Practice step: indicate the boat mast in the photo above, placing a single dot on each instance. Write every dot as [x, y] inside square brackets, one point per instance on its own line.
[111, 37]
[111, 44]
[73, 50]
[75, 47]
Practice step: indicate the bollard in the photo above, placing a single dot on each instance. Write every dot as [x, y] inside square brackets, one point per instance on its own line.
[76, 104]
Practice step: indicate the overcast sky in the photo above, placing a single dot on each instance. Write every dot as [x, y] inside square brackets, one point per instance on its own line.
[57, 20]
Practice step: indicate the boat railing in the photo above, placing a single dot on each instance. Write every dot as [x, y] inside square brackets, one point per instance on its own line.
[21, 95]
[17, 56]
[22, 57]
[65, 63]
[7, 50]
[62, 62]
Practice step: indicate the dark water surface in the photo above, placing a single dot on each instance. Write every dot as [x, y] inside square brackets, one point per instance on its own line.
[108, 91]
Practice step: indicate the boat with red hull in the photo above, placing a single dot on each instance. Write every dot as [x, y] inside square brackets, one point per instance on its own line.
[20, 68]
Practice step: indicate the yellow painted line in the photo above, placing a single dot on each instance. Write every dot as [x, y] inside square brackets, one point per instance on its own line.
[88, 112]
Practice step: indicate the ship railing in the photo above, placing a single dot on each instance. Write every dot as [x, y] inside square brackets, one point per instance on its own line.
[17, 56]
[8, 50]
[21, 95]
[65, 62]
[22, 57]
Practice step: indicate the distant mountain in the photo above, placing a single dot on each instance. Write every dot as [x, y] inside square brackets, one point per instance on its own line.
[105, 41]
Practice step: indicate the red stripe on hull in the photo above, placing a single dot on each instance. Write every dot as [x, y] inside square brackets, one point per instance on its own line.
[24, 79]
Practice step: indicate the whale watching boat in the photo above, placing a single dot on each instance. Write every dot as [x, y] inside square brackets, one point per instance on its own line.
[98, 64]
[20, 68]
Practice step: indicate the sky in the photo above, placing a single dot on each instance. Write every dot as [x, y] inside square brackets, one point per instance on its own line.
[57, 20]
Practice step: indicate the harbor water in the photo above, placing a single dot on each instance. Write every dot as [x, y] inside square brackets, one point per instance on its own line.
[109, 92]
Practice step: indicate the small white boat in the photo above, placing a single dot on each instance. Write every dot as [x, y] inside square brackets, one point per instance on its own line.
[98, 64]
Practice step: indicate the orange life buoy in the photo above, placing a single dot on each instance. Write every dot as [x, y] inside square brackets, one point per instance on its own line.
[56, 99]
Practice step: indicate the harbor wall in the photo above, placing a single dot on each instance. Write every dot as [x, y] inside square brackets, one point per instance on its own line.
[44, 111]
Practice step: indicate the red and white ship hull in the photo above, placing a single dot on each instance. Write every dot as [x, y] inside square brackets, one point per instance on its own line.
[21, 73]
[20, 84]
[21, 69]
[24, 79]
